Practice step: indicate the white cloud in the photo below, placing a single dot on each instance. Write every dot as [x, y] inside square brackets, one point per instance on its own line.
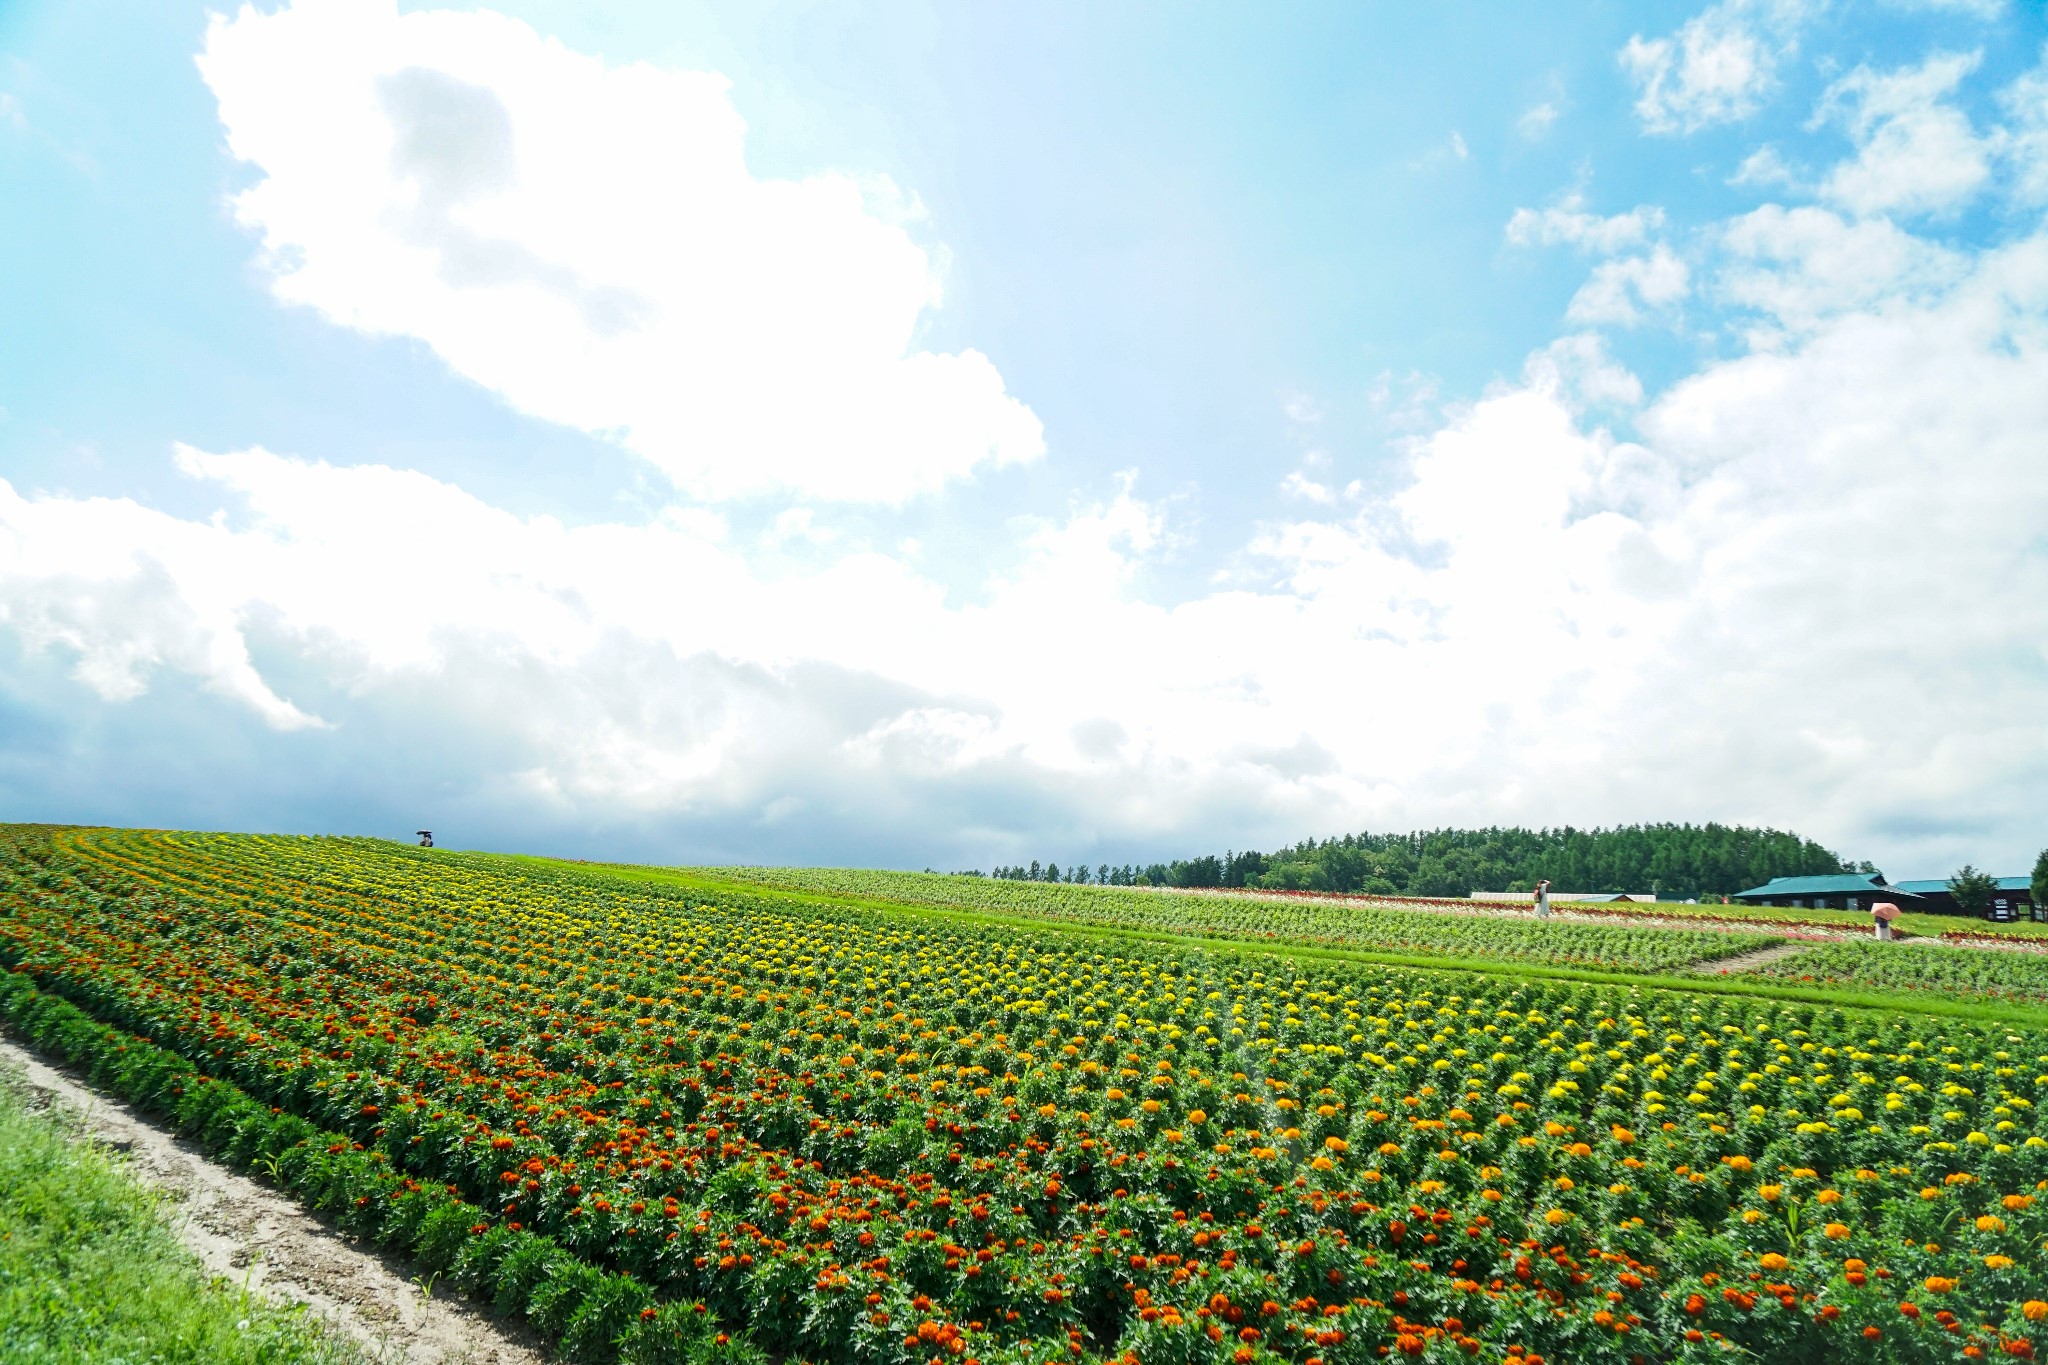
[1568, 222]
[1579, 368]
[1765, 167]
[1619, 291]
[1803, 266]
[1977, 9]
[1716, 69]
[1299, 485]
[1916, 153]
[1807, 587]
[2026, 103]
[1537, 120]
[1817, 568]
[587, 242]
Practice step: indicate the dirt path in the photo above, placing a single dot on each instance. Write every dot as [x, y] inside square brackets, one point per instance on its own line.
[1749, 962]
[253, 1236]
[1563, 912]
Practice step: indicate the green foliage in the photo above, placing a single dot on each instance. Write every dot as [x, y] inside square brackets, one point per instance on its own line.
[1972, 890]
[1961, 973]
[1489, 934]
[89, 1272]
[1679, 861]
[723, 1124]
[140, 1300]
[2041, 878]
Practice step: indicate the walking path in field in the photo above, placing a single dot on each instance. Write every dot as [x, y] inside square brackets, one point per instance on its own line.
[1749, 962]
[1563, 912]
[256, 1237]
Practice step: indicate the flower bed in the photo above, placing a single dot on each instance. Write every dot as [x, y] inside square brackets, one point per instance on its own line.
[854, 1135]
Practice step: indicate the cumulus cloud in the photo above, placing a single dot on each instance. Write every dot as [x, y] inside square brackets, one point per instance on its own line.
[1915, 151]
[2025, 102]
[1804, 265]
[1803, 585]
[1620, 291]
[1716, 68]
[1765, 166]
[1569, 222]
[1537, 120]
[1816, 567]
[1976, 9]
[587, 242]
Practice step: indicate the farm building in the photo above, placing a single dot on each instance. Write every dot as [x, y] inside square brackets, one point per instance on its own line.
[1559, 897]
[2014, 898]
[1844, 891]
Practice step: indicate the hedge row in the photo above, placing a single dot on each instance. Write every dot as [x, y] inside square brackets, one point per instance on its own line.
[588, 1314]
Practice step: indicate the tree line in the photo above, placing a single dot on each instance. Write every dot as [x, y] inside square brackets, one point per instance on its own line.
[1677, 861]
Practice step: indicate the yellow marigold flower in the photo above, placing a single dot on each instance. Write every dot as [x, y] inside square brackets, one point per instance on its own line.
[1836, 1231]
[1557, 1218]
[1990, 1223]
[2034, 1310]
[1938, 1284]
[1996, 1262]
[1771, 1260]
[1336, 1144]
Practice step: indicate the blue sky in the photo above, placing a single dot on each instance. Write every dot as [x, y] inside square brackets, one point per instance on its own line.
[942, 435]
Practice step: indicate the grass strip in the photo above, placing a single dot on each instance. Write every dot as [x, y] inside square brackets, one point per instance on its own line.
[588, 1314]
[90, 1271]
[1879, 1002]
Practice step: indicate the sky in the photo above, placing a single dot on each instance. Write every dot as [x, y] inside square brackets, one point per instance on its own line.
[950, 435]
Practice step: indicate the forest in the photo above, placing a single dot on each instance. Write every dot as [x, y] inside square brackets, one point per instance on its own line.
[1676, 861]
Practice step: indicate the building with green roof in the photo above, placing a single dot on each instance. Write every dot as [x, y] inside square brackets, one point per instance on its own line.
[1836, 891]
[2013, 898]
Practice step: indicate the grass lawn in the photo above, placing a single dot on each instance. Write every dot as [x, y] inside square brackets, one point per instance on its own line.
[90, 1271]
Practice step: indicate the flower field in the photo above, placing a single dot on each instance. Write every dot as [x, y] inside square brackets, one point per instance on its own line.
[1988, 974]
[1466, 932]
[671, 1123]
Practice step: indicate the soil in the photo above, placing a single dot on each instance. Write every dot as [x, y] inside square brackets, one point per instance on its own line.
[260, 1239]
